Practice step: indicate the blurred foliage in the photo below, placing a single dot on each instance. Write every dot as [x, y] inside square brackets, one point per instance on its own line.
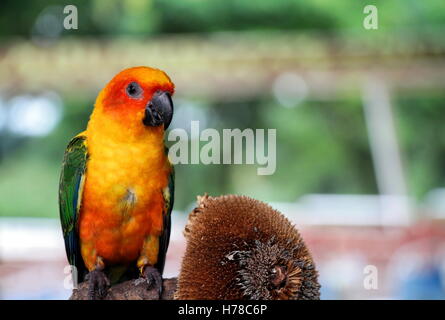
[30, 170]
[422, 136]
[322, 145]
[135, 17]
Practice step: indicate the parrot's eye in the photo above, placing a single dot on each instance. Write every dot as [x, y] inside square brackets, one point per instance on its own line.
[134, 90]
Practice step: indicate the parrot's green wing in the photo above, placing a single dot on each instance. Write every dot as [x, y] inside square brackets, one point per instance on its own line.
[70, 194]
[169, 197]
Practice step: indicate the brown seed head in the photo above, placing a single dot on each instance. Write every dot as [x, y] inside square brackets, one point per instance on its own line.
[241, 248]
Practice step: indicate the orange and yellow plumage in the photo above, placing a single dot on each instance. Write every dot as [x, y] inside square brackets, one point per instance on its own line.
[125, 191]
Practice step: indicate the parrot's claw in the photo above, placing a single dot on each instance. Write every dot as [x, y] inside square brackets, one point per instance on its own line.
[153, 278]
[98, 284]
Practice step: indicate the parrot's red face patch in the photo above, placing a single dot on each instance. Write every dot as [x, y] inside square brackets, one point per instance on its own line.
[131, 95]
[128, 93]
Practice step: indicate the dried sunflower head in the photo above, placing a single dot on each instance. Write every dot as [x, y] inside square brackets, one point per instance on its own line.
[241, 248]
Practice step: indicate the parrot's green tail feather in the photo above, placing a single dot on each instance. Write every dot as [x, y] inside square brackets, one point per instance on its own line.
[120, 273]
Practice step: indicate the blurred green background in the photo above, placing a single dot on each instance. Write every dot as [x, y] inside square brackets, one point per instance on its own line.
[229, 60]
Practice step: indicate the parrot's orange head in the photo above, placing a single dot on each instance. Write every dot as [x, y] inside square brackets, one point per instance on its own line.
[138, 98]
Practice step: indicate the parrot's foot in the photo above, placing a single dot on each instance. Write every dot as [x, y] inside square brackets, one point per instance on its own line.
[98, 284]
[153, 278]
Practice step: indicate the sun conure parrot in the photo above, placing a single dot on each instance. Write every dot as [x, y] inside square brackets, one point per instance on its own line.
[116, 185]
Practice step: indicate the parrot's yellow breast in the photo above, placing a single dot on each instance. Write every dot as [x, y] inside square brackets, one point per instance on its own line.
[122, 202]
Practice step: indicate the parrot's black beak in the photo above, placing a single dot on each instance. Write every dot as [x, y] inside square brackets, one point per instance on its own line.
[159, 110]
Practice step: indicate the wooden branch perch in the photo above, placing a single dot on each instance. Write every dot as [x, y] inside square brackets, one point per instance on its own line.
[129, 290]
